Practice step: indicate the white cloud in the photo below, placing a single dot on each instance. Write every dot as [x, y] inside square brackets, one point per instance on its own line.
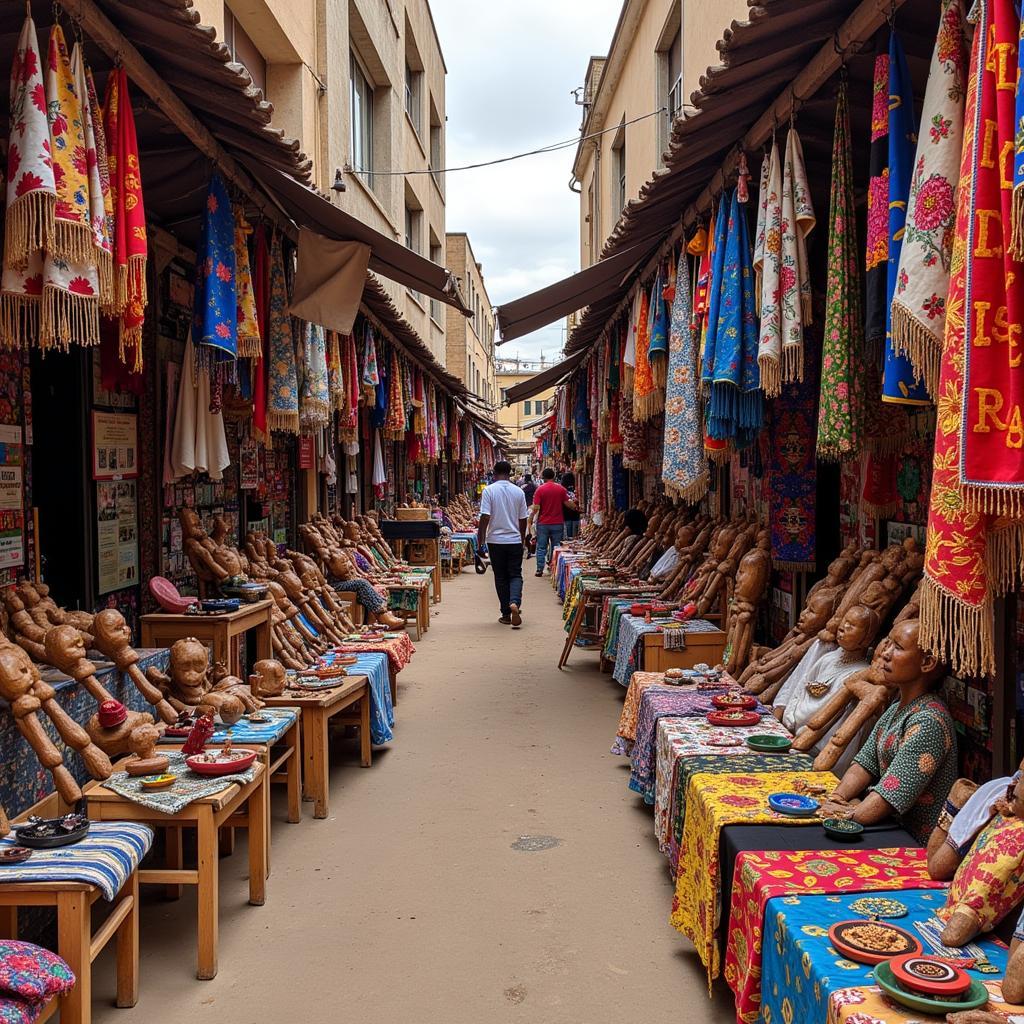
[511, 71]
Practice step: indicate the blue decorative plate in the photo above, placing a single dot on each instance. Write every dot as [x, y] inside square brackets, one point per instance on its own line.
[793, 804]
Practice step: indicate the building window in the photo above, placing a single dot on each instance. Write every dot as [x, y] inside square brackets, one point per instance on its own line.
[413, 102]
[413, 236]
[435, 304]
[362, 122]
[436, 147]
[526, 408]
[619, 171]
[675, 78]
[244, 51]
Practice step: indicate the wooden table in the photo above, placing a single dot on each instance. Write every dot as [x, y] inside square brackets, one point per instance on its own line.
[318, 709]
[76, 942]
[218, 632]
[236, 805]
[700, 647]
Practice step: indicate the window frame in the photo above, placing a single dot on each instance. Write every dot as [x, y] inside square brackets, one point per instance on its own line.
[358, 72]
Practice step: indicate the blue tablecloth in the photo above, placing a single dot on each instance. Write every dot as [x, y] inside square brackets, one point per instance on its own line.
[800, 969]
[374, 665]
[105, 858]
[244, 731]
[628, 658]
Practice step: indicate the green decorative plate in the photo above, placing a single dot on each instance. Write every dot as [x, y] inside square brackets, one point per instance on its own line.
[976, 997]
[769, 743]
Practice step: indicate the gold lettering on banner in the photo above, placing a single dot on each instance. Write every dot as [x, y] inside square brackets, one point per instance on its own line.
[990, 404]
[986, 249]
[997, 328]
[998, 58]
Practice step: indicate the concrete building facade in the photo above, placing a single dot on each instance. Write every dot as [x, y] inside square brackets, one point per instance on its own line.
[362, 84]
[658, 52]
[520, 418]
[470, 340]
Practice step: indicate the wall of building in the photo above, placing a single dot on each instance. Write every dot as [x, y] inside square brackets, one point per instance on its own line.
[470, 340]
[513, 417]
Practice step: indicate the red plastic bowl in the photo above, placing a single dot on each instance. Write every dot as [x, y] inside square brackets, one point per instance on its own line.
[734, 702]
[734, 718]
[238, 764]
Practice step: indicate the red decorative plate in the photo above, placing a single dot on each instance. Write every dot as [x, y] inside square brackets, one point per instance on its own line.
[734, 701]
[848, 941]
[734, 717]
[229, 767]
[929, 975]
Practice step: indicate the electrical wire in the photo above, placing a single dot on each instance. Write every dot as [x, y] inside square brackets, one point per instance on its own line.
[553, 147]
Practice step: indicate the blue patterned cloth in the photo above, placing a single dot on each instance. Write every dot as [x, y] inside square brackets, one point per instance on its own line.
[374, 665]
[244, 732]
[800, 969]
[215, 311]
[630, 645]
[105, 858]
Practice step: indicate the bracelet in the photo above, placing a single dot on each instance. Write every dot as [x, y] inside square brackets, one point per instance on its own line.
[945, 821]
[951, 809]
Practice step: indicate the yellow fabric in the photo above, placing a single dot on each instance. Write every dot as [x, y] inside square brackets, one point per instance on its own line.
[712, 802]
[631, 708]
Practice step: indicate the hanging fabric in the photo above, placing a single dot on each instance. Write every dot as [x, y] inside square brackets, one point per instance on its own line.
[662, 296]
[261, 300]
[900, 384]
[379, 479]
[349, 422]
[785, 309]
[841, 402]
[599, 489]
[684, 469]
[215, 313]
[643, 379]
[335, 383]
[199, 444]
[315, 401]
[394, 423]
[974, 524]
[249, 345]
[877, 247]
[634, 437]
[629, 354]
[370, 377]
[283, 381]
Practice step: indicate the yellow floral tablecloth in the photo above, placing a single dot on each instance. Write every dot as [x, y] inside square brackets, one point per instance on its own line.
[712, 802]
[868, 1004]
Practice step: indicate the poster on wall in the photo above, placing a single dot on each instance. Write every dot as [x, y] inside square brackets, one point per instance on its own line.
[12, 540]
[115, 448]
[117, 535]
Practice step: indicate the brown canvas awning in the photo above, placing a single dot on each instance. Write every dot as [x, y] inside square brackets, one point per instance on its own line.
[549, 304]
[546, 379]
[387, 257]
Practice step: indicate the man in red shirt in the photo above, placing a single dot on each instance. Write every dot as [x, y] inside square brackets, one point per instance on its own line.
[549, 508]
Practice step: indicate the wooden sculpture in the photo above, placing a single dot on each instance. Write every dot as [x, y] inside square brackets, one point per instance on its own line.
[27, 694]
[709, 599]
[213, 561]
[752, 577]
[268, 678]
[145, 760]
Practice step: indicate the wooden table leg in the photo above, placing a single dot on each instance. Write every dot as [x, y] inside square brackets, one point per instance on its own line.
[259, 842]
[74, 935]
[8, 922]
[264, 648]
[308, 768]
[574, 629]
[127, 940]
[207, 894]
[365, 747]
[293, 769]
[226, 841]
[266, 800]
[393, 683]
[315, 741]
[175, 858]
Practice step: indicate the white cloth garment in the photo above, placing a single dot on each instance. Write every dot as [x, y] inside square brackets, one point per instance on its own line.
[506, 505]
[975, 814]
[200, 445]
[664, 565]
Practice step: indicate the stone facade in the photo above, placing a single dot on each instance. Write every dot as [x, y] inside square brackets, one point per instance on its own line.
[470, 340]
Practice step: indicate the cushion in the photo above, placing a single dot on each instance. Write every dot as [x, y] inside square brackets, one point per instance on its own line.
[990, 880]
[32, 973]
[17, 1011]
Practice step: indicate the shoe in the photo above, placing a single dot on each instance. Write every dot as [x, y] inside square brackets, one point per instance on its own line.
[539, 572]
[516, 618]
[505, 620]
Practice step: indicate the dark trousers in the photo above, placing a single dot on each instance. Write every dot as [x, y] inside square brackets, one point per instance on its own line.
[507, 566]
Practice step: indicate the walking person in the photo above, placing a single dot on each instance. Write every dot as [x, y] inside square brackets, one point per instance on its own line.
[549, 510]
[502, 531]
[572, 512]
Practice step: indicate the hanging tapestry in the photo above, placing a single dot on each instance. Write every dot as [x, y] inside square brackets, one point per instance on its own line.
[335, 384]
[620, 484]
[215, 316]
[786, 286]
[261, 299]
[394, 422]
[662, 296]
[370, 378]
[634, 438]
[970, 555]
[922, 282]
[643, 380]
[769, 209]
[629, 352]
[599, 490]
[734, 405]
[581, 414]
[792, 468]
[248, 328]
[900, 384]
[840, 408]
[315, 406]
[877, 248]
[283, 386]
[683, 469]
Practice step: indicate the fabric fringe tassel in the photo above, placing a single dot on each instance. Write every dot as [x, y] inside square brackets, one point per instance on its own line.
[286, 422]
[771, 376]
[19, 320]
[105, 273]
[719, 456]
[644, 408]
[250, 347]
[994, 501]
[884, 511]
[692, 492]
[911, 339]
[28, 227]
[1017, 223]
[659, 369]
[885, 445]
[131, 338]
[793, 363]
[960, 635]
[137, 277]
[72, 242]
[68, 319]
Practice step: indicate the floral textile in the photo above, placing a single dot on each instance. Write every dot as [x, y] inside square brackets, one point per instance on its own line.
[283, 380]
[315, 401]
[215, 314]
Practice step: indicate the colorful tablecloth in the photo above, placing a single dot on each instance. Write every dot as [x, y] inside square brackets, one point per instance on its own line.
[188, 787]
[468, 539]
[399, 651]
[374, 665]
[105, 858]
[762, 876]
[629, 650]
[657, 703]
[670, 799]
[625, 735]
[713, 801]
[244, 731]
[867, 1004]
[801, 969]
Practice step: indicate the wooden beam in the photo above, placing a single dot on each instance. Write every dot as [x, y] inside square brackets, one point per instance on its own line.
[143, 76]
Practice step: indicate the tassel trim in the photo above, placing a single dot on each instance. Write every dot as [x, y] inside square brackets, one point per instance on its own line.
[131, 338]
[105, 273]
[793, 361]
[659, 369]
[19, 320]
[129, 283]
[286, 422]
[959, 634]
[692, 492]
[912, 339]
[646, 406]
[884, 511]
[771, 375]
[887, 444]
[839, 450]
[719, 456]
[994, 501]
[73, 242]
[68, 319]
[250, 347]
[28, 227]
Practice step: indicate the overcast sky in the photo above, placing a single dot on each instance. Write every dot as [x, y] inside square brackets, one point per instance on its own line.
[511, 69]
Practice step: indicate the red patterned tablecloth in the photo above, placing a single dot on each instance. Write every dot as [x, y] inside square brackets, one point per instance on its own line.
[399, 651]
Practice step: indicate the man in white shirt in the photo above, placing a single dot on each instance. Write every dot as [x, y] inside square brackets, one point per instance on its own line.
[502, 531]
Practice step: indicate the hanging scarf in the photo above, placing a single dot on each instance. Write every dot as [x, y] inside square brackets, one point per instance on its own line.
[335, 384]
[370, 378]
[629, 354]
[684, 470]
[348, 429]
[634, 437]
[971, 556]
[261, 299]
[664, 291]
[841, 404]
[643, 379]
[581, 413]
[380, 477]
[99, 190]
[215, 316]
[394, 422]
[316, 400]
[249, 345]
[768, 197]
[734, 408]
[599, 488]
[877, 249]
[900, 385]
[99, 134]
[919, 307]
[786, 288]
[129, 238]
[283, 383]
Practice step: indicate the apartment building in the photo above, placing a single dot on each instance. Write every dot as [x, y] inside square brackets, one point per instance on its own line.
[362, 84]
[658, 52]
[470, 340]
[521, 419]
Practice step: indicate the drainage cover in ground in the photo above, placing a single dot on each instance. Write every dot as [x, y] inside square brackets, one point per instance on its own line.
[533, 843]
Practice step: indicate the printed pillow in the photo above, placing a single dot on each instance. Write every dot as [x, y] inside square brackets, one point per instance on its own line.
[32, 973]
[990, 880]
[17, 1011]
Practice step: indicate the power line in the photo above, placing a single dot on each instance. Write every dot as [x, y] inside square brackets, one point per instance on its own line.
[554, 147]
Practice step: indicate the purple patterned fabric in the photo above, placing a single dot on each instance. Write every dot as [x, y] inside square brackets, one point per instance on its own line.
[656, 703]
[32, 973]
